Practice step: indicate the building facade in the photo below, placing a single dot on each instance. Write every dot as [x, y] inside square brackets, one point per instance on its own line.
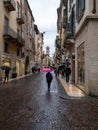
[29, 48]
[81, 21]
[17, 37]
[65, 40]
[38, 46]
[86, 45]
[12, 39]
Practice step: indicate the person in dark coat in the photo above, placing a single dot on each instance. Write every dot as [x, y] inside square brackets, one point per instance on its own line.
[49, 79]
[67, 73]
[6, 76]
[33, 69]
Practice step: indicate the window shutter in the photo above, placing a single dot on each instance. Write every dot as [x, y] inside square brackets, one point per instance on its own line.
[82, 4]
[77, 10]
[72, 22]
[65, 16]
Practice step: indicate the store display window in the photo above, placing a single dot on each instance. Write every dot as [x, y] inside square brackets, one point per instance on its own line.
[81, 64]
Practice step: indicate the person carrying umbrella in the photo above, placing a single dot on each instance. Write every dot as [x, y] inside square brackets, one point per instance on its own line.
[49, 79]
[6, 75]
[6, 69]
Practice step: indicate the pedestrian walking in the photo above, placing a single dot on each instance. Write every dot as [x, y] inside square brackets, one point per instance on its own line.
[49, 79]
[56, 71]
[6, 76]
[33, 69]
[67, 73]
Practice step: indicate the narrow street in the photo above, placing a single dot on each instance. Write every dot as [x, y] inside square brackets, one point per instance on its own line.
[26, 104]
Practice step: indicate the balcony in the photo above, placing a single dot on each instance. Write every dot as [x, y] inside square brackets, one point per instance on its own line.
[68, 40]
[20, 19]
[36, 29]
[9, 5]
[20, 41]
[11, 36]
[58, 56]
[58, 43]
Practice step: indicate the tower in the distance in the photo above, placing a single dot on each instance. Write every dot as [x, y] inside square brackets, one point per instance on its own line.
[47, 56]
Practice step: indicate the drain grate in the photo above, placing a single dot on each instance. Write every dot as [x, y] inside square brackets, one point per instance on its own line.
[37, 126]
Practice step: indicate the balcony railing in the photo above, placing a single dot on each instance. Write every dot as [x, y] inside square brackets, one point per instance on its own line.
[68, 40]
[20, 41]
[68, 35]
[11, 36]
[20, 18]
[10, 5]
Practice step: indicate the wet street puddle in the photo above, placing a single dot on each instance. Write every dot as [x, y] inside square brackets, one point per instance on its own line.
[53, 91]
[37, 126]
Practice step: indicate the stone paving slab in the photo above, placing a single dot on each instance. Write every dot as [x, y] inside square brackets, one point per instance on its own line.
[63, 94]
[37, 126]
[28, 101]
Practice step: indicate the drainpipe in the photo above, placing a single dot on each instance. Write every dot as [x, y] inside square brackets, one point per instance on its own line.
[21, 17]
[94, 7]
[21, 24]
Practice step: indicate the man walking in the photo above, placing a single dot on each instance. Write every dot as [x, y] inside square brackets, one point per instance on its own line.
[49, 79]
[67, 73]
[6, 76]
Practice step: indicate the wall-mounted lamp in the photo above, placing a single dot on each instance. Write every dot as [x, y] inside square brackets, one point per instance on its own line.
[94, 7]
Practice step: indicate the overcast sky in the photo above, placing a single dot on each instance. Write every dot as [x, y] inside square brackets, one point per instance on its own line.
[45, 15]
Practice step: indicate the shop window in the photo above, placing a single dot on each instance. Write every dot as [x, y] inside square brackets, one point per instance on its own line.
[18, 52]
[69, 5]
[81, 64]
[80, 7]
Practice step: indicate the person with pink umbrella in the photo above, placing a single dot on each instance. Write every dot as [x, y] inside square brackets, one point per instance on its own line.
[46, 70]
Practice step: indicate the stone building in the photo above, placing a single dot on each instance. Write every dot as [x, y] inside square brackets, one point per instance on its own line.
[38, 46]
[11, 36]
[86, 49]
[17, 37]
[29, 48]
[81, 21]
[65, 39]
[46, 57]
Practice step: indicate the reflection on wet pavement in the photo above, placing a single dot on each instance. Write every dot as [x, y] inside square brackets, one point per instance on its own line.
[27, 104]
[71, 89]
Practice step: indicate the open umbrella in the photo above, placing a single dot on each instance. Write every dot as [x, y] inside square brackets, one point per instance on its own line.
[66, 63]
[46, 70]
[4, 67]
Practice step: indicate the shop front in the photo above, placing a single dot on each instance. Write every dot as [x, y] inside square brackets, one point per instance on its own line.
[80, 65]
[18, 68]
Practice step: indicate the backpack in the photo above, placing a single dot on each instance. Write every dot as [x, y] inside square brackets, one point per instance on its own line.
[49, 76]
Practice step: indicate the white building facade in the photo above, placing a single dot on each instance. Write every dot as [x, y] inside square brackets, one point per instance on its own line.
[86, 46]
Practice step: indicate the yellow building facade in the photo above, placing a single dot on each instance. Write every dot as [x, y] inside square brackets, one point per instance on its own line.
[16, 36]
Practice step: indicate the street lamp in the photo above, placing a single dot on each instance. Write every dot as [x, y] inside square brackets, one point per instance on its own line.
[43, 34]
[94, 7]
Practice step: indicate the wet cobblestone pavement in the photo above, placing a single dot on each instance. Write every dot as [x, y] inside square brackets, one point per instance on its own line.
[26, 104]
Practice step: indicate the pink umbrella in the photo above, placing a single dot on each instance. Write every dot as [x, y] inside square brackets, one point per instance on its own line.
[46, 70]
